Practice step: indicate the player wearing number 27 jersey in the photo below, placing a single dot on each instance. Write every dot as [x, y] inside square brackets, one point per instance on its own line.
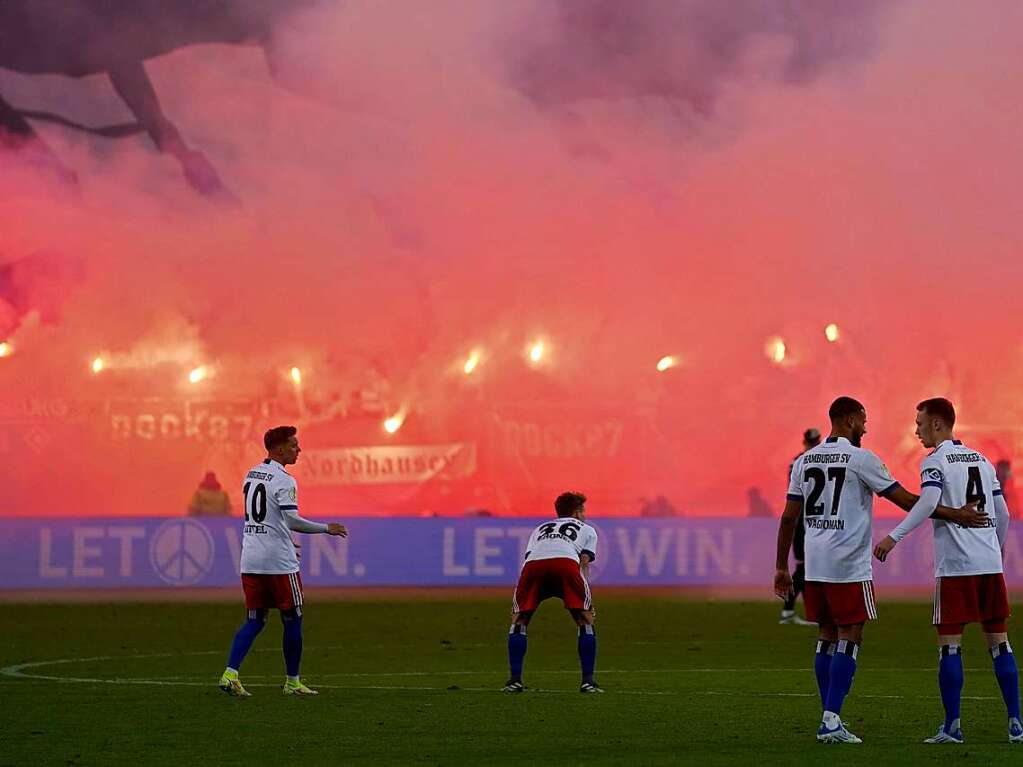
[557, 561]
[834, 485]
[969, 584]
[269, 560]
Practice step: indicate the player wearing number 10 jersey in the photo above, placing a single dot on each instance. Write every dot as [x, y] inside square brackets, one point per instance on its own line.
[970, 586]
[269, 561]
[557, 561]
[834, 484]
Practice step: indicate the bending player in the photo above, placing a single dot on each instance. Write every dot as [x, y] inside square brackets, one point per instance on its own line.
[969, 584]
[269, 562]
[557, 561]
[836, 482]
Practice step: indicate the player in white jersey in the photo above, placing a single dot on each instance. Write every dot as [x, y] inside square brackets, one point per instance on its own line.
[557, 561]
[833, 484]
[969, 584]
[269, 561]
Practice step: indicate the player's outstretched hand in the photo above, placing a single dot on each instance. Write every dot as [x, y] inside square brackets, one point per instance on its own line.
[782, 584]
[970, 516]
[336, 528]
[298, 548]
[884, 548]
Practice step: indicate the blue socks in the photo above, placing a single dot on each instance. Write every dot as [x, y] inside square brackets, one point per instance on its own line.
[292, 643]
[950, 682]
[840, 676]
[822, 667]
[244, 638]
[1008, 677]
[516, 650]
[587, 651]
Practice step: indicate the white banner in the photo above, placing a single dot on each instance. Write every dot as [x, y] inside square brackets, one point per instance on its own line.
[399, 464]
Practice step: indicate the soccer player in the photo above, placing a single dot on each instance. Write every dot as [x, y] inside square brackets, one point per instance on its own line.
[811, 438]
[557, 561]
[269, 562]
[833, 485]
[970, 586]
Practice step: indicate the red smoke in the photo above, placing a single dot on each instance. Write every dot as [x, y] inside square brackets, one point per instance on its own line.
[415, 187]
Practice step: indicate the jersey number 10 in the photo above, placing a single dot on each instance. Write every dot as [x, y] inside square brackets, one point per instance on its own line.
[258, 502]
[836, 474]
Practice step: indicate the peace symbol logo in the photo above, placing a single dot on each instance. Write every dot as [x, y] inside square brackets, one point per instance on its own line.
[181, 552]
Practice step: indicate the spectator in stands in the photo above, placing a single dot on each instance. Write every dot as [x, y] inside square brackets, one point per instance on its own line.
[1003, 470]
[209, 499]
[757, 504]
[658, 507]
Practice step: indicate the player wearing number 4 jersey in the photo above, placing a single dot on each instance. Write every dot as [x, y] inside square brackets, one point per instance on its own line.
[269, 562]
[557, 561]
[834, 484]
[969, 584]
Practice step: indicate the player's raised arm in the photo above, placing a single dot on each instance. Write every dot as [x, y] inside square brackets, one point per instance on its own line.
[287, 498]
[919, 513]
[881, 482]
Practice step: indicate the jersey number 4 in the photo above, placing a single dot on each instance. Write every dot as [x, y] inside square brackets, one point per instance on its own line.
[258, 502]
[975, 487]
[835, 474]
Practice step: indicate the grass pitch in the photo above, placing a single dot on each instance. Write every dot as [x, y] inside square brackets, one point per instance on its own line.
[407, 682]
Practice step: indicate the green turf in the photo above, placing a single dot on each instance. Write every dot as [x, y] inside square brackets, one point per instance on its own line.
[403, 682]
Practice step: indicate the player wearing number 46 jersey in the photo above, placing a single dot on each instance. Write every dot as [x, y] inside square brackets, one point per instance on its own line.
[269, 562]
[970, 586]
[557, 561]
[834, 484]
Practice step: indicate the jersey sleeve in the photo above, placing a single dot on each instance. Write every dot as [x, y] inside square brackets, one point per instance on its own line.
[588, 542]
[920, 513]
[286, 495]
[875, 474]
[530, 544]
[931, 473]
[996, 486]
[795, 492]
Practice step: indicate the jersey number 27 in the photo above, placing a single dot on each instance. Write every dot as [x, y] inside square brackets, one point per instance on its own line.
[835, 474]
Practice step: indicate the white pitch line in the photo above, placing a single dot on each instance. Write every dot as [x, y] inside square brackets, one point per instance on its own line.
[17, 672]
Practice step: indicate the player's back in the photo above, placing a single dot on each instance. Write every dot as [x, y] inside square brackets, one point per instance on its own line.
[269, 491]
[964, 476]
[836, 481]
[565, 537]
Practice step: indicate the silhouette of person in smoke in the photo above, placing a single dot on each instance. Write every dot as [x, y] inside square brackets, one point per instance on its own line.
[209, 499]
[757, 504]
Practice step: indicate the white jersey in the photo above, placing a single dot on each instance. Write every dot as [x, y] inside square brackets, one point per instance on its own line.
[963, 475]
[269, 493]
[564, 537]
[836, 482]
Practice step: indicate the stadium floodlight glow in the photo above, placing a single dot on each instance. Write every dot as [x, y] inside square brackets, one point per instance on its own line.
[471, 363]
[5, 349]
[395, 422]
[776, 350]
[831, 332]
[296, 376]
[98, 365]
[536, 352]
[666, 363]
[197, 374]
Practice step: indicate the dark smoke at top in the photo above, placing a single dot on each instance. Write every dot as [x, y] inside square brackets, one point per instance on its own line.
[681, 51]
